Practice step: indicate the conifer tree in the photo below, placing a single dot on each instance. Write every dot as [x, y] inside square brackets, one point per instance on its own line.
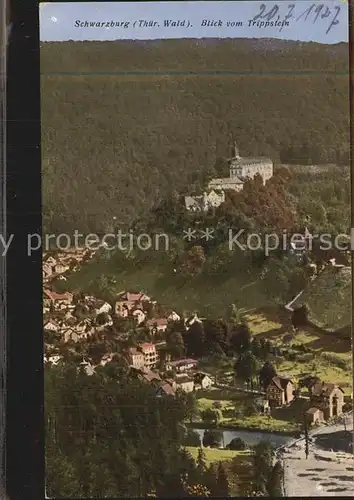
[222, 482]
[275, 483]
[201, 461]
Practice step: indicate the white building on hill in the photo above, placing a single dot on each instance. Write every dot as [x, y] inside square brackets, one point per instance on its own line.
[242, 169]
[204, 202]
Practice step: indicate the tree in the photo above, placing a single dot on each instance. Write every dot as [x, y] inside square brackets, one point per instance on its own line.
[275, 482]
[250, 408]
[240, 338]
[222, 483]
[263, 454]
[99, 446]
[299, 317]
[193, 261]
[215, 335]
[201, 461]
[246, 367]
[266, 374]
[175, 345]
[212, 416]
[191, 438]
[237, 315]
[195, 339]
[212, 438]
[102, 318]
[237, 444]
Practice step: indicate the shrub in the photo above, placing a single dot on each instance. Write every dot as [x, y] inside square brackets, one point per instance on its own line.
[334, 360]
[237, 444]
[212, 438]
[191, 438]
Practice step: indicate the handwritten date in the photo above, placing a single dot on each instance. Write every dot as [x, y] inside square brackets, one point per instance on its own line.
[315, 13]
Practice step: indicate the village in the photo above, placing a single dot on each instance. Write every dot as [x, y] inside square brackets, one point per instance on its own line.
[81, 326]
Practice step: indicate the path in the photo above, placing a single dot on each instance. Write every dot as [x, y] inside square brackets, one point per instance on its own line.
[323, 473]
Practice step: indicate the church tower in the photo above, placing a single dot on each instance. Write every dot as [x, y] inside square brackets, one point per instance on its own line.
[236, 152]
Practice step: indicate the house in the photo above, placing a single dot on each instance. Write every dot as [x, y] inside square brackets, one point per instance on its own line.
[104, 321]
[136, 358]
[300, 243]
[314, 415]
[182, 365]
[173, 317]
[157, 325]
[202, 381]
[150, 354]
[46, 270]
[205, 201]
[185, 383]
[134, 297]
[146, 375]
[60, 268]
[139, 316]
[165, 389]
[128, 301]
[53, 297]
[232, 184]
[54, 360]
[102, 306]
[50, 261]
[328, 397]
[122, 309]
[192, 319]
[172, 383]
[70, 335]
[51, 325]
[279, 391]
[86, 367]
[106, 358]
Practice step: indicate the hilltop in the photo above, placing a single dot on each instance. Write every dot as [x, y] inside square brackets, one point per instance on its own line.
[129, 122]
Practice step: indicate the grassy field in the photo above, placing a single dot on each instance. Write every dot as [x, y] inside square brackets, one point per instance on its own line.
[157, 278]
[216, 455]
[328, 356]
[329, 299]
[237, 464]
[258, 421]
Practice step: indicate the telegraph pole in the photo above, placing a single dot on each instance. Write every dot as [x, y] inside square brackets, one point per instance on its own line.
[306, 437]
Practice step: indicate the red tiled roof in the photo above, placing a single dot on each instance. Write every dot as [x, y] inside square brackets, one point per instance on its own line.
[146, 346]
[324, 388]
[58, 296]
[182, 362]
[312, 411]
[157, 321]
[132, 297]
[281, 382]
[167, 389]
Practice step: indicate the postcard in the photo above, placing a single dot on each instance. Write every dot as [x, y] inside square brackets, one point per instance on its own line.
[196, 249]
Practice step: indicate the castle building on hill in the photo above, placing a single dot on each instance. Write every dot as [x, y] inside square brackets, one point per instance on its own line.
[242, 169]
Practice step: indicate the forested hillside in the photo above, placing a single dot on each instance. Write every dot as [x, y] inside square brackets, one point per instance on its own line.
[125, 123]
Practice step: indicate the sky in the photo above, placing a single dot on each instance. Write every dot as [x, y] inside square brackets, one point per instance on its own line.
[308, 22]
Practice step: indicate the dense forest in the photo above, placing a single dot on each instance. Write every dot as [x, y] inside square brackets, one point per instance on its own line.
[127, 124]
[109, 436]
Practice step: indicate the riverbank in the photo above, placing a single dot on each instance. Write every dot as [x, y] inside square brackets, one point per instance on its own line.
[237, 428]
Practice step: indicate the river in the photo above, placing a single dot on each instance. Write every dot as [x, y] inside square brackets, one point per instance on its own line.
[251, 438]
